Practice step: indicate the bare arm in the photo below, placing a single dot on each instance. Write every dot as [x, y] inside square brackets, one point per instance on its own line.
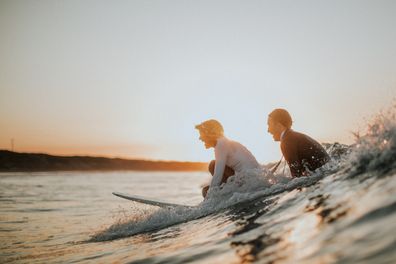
[221, 158]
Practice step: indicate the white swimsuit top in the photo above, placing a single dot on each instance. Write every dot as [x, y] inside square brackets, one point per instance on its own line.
[234, 155]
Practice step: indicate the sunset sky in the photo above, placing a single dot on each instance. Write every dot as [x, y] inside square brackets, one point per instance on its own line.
[133, 78]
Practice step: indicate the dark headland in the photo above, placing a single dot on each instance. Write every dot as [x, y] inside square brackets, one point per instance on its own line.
[20, 162]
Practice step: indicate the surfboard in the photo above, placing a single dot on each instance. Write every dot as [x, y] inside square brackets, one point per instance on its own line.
[149, 201]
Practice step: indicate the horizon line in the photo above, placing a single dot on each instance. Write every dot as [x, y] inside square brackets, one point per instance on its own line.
[99, 156]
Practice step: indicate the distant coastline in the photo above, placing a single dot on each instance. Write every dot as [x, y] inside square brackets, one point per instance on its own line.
[28, 162]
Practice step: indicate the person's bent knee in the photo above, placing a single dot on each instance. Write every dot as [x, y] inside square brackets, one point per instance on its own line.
[205, 191]
[211, 167]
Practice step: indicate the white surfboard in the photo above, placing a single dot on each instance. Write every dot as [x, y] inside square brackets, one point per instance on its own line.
[150, 201]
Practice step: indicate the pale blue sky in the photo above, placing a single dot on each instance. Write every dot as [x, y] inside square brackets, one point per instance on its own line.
[132, 78]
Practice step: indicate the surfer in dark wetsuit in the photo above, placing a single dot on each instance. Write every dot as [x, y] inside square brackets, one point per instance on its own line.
[302, 153]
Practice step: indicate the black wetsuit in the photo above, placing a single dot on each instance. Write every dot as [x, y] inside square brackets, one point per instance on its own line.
[302, 153]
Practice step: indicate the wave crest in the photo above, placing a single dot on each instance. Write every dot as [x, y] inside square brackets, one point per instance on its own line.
[376, 150]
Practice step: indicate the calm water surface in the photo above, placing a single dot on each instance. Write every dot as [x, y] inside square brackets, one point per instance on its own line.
[48, 216]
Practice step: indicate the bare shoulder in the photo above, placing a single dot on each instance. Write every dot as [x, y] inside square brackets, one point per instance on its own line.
[222, 143]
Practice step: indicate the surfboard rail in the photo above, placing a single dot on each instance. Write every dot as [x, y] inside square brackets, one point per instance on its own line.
[149, 201]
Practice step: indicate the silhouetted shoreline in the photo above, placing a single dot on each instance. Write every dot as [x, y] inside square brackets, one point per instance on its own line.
[28, 162]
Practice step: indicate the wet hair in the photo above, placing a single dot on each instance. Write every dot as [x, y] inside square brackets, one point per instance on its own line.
[211, 127]
[281, 116]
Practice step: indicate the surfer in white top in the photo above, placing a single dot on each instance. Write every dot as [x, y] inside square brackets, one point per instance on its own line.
[230, 156]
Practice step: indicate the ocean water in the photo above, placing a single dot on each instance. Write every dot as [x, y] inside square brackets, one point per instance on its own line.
[344, 212]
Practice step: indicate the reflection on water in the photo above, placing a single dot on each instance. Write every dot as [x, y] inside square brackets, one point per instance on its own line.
[318, 225]
[51, 218]
[47, 216]
[303, 230]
